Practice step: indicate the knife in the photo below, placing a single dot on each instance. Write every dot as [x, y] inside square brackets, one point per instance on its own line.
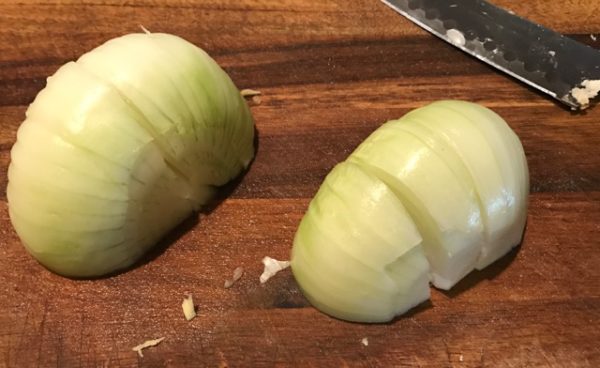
[557, 65]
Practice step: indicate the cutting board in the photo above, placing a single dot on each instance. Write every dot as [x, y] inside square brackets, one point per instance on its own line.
[330, 72]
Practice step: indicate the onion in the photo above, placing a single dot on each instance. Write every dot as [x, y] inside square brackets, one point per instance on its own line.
[147, 344]
[426, 198]
[188, 307]
[272, 267]
[120, 147]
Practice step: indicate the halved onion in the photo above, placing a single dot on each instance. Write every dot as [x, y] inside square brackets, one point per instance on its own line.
[430, 196]
[120, 147]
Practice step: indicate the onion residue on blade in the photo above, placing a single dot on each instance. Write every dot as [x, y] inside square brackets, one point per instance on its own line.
[588, 90]
[456, 37]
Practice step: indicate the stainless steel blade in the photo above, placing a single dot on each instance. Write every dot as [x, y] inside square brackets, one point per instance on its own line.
[557, 65]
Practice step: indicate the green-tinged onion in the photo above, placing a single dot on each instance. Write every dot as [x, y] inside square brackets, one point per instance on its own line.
[428, 197]
[119, 147]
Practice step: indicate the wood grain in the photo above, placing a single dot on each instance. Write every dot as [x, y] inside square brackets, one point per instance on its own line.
[330, 73]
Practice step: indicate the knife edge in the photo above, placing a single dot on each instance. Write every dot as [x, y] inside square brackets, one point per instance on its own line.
[574, 87]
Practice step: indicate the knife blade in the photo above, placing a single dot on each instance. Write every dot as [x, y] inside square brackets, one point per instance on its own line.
[554, 64]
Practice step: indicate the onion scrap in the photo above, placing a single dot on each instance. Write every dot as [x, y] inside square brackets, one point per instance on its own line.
[147, 344]
[272, 266]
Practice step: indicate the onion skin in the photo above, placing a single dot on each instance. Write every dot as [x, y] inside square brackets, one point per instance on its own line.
[121, 146]
[425, 198]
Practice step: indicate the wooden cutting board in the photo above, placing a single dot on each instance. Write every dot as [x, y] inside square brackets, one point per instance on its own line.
[330, 72]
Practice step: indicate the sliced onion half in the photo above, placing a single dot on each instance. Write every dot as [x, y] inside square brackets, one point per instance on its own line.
[120, 147]
[426, 198]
